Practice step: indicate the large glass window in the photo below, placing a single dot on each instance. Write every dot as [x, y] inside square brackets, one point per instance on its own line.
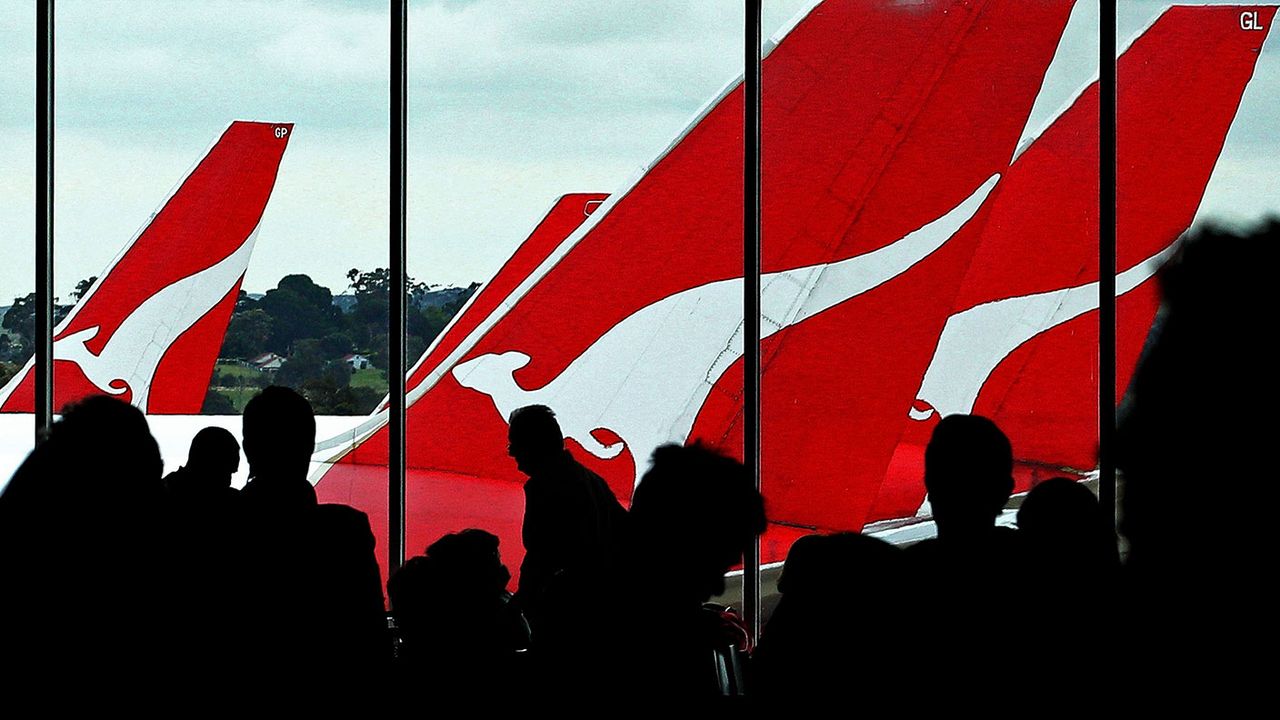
[1196, 150]
[929, 231]
[222, 202]
[913, 156]
[17, 228]
[584, 162]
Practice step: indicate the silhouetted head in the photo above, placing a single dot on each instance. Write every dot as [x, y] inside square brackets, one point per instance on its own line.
[83, 539]
[1062, 518]
[279, 433]
[104, 427]
[449, 603]
[410, 590]
[409, 584]
[968, 472]
[214, 453]
[843, 565]
[534, 439]
[99, 458]
[692, 517]
[1059, 507]
[471, 557]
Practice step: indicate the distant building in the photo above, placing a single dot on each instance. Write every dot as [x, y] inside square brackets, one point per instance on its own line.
[267, 361]
[356, 361]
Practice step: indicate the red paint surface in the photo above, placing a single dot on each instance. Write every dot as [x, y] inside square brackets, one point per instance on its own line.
[205, 220]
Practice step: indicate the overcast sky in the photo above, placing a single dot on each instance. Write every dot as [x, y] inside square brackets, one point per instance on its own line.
[512, 103]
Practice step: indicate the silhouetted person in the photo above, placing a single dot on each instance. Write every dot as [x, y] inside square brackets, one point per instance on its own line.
[969, 575]
[279, 436]
[459, 632]
[968, 473]
[471, 562]
[1190, 433]
[1066, 535]
[839, 624]
[571, 517]
[204, 523]
[1071, 563]
[641, 631]
[1194, 443]
[81, 558]
[314, 593]
[213, 458]
[412, 592]
[693, 516]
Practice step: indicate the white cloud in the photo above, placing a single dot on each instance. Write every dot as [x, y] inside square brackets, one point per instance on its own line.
[511, 104]
[533, 98]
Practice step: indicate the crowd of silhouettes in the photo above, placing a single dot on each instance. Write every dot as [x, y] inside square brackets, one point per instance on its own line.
[103, 558]
[112, 571]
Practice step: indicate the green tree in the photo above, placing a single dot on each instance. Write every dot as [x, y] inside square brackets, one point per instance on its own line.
[378, 352]
[82, 287]
[15, 349]
[299, 320]
[308, 363]
[377, 284]
[336, 345]
[247, 334]
[328, 397]
[20, 319]
[299, 309]
[215, 403]
[373, 294]
[244, 303]
[7, 371]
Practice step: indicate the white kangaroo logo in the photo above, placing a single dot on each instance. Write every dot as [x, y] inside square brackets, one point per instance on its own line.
[648, 376]
[133, 352]
[975, 341]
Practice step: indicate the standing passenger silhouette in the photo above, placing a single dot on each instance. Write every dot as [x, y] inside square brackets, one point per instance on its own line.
[969, 574]
[571, 517]
[204, 523]
[313, 586]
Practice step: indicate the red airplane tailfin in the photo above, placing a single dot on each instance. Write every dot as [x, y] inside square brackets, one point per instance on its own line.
[149, 330]
[1021, 343]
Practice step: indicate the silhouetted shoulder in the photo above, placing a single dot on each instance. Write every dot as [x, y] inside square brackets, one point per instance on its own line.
[278, 494]
[345, 520]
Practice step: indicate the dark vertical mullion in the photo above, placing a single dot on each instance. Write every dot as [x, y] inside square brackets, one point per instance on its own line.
[1107, 257]
[396, 321]
[751, 296]
[44, 218]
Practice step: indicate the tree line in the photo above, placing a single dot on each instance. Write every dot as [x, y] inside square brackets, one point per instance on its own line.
[18, 328]
[299, 322]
